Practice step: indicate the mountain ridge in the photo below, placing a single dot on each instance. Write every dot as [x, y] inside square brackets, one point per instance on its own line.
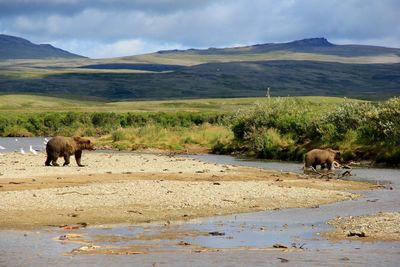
[12, 47]
[319, 45]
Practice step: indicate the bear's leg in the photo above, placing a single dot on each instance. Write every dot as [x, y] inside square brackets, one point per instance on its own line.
[54, 162]
[330, 166]
[52, 157]
[78, 155]
[314, 166]
[48, 160]
[66, 159]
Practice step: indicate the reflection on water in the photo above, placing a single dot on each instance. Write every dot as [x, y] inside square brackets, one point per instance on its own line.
[242, 234]
[272, 165]
[366, 174]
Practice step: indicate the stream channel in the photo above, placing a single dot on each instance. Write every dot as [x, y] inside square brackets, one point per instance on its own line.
[246, 240]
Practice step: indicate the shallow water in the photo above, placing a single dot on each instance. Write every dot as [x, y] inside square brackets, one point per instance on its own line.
[243, 234]
[15, 144]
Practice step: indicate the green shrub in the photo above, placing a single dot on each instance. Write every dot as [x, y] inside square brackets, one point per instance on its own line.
[118, 135]
[286, 128]
[16, 131]
[382, 124]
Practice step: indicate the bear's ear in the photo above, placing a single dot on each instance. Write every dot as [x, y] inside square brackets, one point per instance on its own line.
[83, 142]
[77, 139]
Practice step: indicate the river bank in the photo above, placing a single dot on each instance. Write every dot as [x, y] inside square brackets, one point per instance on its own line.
[128, 188]
[381, 226]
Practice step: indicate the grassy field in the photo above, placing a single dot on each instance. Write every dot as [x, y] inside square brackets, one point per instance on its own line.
[21, 103]
[210, 80]
[188, 59]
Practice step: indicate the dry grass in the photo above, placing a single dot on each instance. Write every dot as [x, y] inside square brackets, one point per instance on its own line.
[37, 103]
[181, 139]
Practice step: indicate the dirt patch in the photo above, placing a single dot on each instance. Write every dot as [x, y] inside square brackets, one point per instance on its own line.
[384, 226]
[133, 188]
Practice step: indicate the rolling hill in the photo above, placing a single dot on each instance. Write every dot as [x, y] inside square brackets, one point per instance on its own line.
[313, 49]
[311, 45]
[227, 79]
[12, 47]
[299, 68]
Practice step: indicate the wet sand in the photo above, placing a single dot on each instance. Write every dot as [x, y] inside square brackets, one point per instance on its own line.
[124, 188]
[383, 226]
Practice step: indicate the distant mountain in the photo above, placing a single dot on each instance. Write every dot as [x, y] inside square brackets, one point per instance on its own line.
[12, 47]
[304, 67]
[311, 45]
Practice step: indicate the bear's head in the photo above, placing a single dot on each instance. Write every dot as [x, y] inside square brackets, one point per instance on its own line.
[336, 154]
[84, 143]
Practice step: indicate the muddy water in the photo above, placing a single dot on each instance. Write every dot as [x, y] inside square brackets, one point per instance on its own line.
[243, 240]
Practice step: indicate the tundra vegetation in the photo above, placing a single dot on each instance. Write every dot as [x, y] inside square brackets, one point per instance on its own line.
[271, 128]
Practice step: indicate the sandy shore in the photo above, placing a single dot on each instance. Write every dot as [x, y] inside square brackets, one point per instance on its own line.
[122, 188]
[382, 226]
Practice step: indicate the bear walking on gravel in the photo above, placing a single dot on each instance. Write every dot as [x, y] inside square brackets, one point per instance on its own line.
[61, 146]
[321, 157]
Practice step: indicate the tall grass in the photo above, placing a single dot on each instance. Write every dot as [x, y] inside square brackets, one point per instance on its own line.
[97, 123]
[285, 128]
[195, 137]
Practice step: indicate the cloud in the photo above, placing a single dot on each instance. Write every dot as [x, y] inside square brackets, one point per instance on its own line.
[115, 49]
[200, 24]
[71, 7]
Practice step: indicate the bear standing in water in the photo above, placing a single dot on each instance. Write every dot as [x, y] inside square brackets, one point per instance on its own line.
[322, 157]
[61, 146]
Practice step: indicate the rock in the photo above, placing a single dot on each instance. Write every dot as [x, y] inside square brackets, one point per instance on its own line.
[216, 233]
[182, 243]
[63, 237]
[356, 233]
[85, 248]
[279, 246]
[283, 260]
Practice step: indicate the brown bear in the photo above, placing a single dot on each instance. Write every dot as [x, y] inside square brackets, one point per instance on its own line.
[61, 146]
[322, 157]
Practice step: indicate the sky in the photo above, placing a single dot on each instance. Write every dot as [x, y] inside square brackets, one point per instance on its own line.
[112, 28]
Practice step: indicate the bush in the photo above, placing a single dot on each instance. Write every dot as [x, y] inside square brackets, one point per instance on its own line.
[272, 128]
[118, 135]
[16, 131]
[285, 128]
[348, 116]
[382, 124]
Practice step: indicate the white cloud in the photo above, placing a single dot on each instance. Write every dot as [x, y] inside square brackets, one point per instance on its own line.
[115, 49]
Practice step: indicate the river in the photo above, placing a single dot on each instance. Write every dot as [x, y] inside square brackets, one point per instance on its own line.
[245, 235]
